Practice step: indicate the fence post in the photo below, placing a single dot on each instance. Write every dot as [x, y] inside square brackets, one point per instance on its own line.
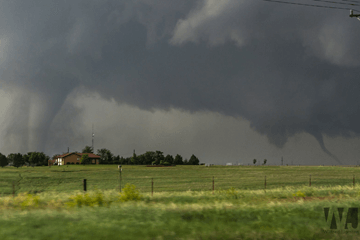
[84, 182]
[152, 186]
[310, 181]
[353, 181]
[265, 182]
[213, 185]
[120, 170]
[13, 188]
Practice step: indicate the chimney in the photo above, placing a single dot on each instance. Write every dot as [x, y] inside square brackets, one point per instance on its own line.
[68, 149]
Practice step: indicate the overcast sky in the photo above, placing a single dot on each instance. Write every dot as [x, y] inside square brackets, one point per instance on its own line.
[226, 80]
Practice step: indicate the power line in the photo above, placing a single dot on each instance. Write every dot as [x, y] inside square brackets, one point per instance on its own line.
[353, 1]
[325, 1]
[309, 5]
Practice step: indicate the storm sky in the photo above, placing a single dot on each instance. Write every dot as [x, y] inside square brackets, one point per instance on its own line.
[227, 80]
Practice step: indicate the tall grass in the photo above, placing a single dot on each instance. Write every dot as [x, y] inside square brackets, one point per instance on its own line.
[49, 202]
[281, 213]
[99, 198]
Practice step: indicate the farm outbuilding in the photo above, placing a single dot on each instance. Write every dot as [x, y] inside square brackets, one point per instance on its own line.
[73, 158]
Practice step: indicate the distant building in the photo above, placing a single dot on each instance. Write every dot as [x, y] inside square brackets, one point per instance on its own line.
[229, 164]
[208, 164]
[73, 158]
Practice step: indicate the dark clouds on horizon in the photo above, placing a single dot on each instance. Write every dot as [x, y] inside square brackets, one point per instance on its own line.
[285, 69]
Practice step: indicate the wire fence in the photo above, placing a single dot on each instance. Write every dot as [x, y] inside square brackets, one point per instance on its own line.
[146, 184]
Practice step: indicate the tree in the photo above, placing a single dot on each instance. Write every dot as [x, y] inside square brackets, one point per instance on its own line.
[35, 158]
[128, 160]
[109, 157]
[141, 159]
[159, 157]
[3, 160]
[84, 159]
[44, 159]
[149, 157]
[10, 158]
[178, 160]
[106, 156]
[134, 159]
[26, 157]
[169, 159]
[254, 161]
[116, 159]
[265, 161]
[88, 149]
[194, 160]
[17, 159]
[122, 160]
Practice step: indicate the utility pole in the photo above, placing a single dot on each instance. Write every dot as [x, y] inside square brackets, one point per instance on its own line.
[282, 161]
[93, 135]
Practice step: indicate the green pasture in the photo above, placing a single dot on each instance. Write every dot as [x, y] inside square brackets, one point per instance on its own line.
[278, 213]
[178, 178]
[49, 202]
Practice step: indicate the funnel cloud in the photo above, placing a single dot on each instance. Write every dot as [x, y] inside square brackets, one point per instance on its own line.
[287, 70]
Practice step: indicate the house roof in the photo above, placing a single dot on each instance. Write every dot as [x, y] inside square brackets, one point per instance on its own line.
[91, 155]
[63, 155]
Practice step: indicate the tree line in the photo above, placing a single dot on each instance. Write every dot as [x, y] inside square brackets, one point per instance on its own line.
[147, 158]
[106, 157]
[30, 158]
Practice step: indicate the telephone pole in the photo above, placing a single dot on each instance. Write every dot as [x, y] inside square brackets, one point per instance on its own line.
[93, 136]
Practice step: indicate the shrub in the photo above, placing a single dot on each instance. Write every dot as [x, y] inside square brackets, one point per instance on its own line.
[86, 199]
[25, 201]
[299, 194]
[130, 193]
[232, 193]
[30, 201]
[309, 192]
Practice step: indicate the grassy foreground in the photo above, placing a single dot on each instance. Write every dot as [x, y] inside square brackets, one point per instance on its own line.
[183, 205]
[282, 213]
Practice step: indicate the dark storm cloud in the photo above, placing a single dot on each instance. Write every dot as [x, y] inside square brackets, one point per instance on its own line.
[286, 69]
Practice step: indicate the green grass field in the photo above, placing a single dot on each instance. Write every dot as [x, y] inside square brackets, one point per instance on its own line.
[179, 178]
[183, 205]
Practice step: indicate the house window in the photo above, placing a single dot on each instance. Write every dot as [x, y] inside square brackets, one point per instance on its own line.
[78, 159]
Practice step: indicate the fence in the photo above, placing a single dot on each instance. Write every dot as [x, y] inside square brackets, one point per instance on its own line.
[150, 184]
